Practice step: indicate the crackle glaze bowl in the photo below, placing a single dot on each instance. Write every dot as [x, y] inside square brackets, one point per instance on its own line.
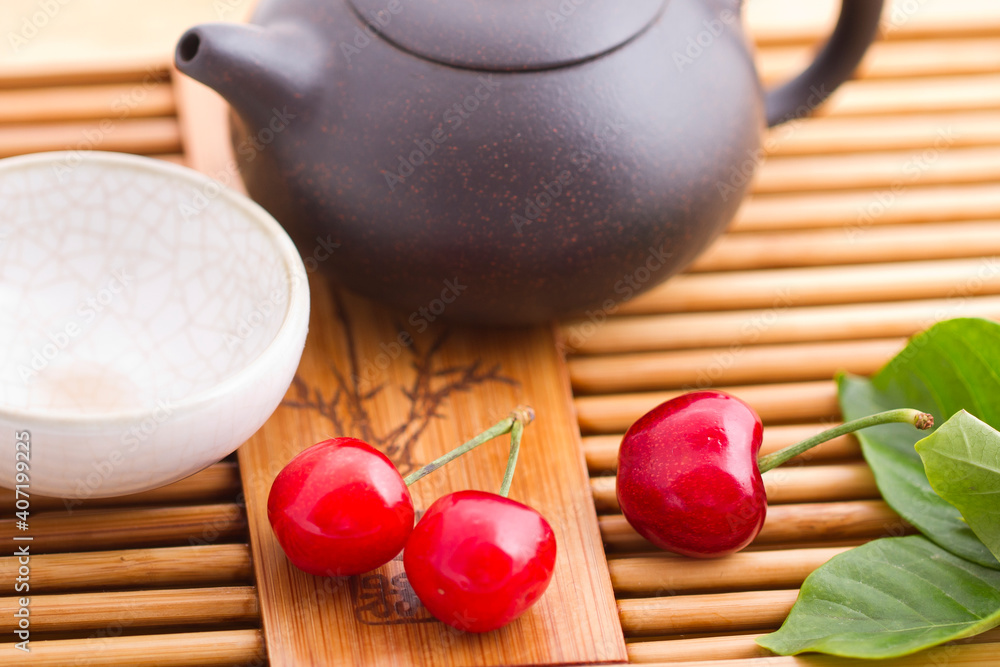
[153, 320]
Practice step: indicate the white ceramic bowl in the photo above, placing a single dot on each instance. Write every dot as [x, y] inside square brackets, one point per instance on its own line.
[151, 321]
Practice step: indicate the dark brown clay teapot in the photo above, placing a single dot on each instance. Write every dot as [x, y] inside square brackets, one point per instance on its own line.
[504, 161]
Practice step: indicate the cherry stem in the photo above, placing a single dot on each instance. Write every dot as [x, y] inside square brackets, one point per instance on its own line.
[516, 431]
[519, 418]
[921, 420]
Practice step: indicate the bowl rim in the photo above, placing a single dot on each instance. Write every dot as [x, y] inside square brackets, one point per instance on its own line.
[289, 332]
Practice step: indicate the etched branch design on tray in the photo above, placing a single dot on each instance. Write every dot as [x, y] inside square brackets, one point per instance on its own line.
[427, 394]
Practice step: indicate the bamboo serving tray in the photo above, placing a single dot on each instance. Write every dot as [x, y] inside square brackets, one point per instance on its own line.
[867, 223]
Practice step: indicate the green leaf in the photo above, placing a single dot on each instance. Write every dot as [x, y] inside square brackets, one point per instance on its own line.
[888, 598]
[962, 461]
[951, 366]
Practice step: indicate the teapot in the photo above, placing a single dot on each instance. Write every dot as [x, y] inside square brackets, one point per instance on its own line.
[510, 161]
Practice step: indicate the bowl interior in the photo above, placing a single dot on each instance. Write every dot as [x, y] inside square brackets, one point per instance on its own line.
[126, 284]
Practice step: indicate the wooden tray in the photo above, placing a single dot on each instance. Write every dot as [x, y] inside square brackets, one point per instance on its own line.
[867, 223]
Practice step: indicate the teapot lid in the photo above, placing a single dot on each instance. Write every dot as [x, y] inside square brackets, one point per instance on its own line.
[508, 34]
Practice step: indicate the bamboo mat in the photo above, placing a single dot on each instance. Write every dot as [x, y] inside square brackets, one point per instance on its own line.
[867, 223]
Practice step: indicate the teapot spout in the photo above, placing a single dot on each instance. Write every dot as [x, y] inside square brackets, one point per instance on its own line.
[255, 69]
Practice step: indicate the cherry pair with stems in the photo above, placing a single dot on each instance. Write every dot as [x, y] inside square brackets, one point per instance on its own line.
[476, 560]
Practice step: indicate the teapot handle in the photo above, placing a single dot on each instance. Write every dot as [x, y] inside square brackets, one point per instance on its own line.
[856, 28]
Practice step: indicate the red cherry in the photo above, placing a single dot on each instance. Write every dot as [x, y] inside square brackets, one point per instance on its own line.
[339, 508]
[478, 560]
[687, 475]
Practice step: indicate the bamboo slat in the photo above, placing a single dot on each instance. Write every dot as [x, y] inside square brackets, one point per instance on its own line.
[893, 59]
[868, 208]
[697, 369]
[655, 576]
[908, 96]
[129, 135]
[843, 481]
[94, 530]
[136, 609]
[833, 135]
[219, 648]
[83, 73]
[790, 22]
[779, 324]
[63, 103]
[208, 564]
[743, 647]
[859, 245]
[819, 286]
[717, 613]
[821, 483]
[968, 655]
[601, 451]
[735, 647]
[891, 170]
[216, 483]
[785, 402]
[787, 524]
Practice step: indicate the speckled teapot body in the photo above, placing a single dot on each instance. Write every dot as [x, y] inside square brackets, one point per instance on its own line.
[510, 161]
